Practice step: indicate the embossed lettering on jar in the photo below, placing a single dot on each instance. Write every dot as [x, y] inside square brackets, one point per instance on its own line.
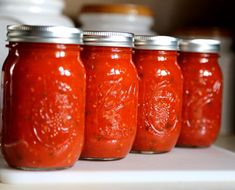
[160, 94]
[44, 98]
[111, 98]
[201, 118]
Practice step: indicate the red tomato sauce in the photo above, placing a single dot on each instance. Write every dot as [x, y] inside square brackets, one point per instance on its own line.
[202, 99]
[43, 106]
[111, 102]
[160, 100]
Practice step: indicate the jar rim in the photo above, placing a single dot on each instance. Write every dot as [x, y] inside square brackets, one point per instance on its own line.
[199, 45]
[47, 34]
[108, 38]
[151, 42]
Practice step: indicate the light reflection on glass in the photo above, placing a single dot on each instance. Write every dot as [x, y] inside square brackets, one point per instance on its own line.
[161, 58]
[115, 56]
[205, 73]
[216, 86]
[161, 72]
[203, 60]
[64, 71]
[60, 54]
[114, 72]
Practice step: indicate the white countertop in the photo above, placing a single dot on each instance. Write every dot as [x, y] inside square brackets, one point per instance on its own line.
[227, 142]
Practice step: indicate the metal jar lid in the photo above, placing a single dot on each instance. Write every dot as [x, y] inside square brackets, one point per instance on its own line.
[156, 42]
[199, 45]
[45, 34]
[104, 38]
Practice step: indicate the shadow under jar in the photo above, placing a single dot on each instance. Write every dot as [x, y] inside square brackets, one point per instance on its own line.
[202, 96]
[111, 95]
[160, 94]
[43, 98]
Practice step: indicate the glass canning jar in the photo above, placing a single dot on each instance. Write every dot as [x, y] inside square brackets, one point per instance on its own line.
[202, 97]
[43, 97]
[111, 95]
